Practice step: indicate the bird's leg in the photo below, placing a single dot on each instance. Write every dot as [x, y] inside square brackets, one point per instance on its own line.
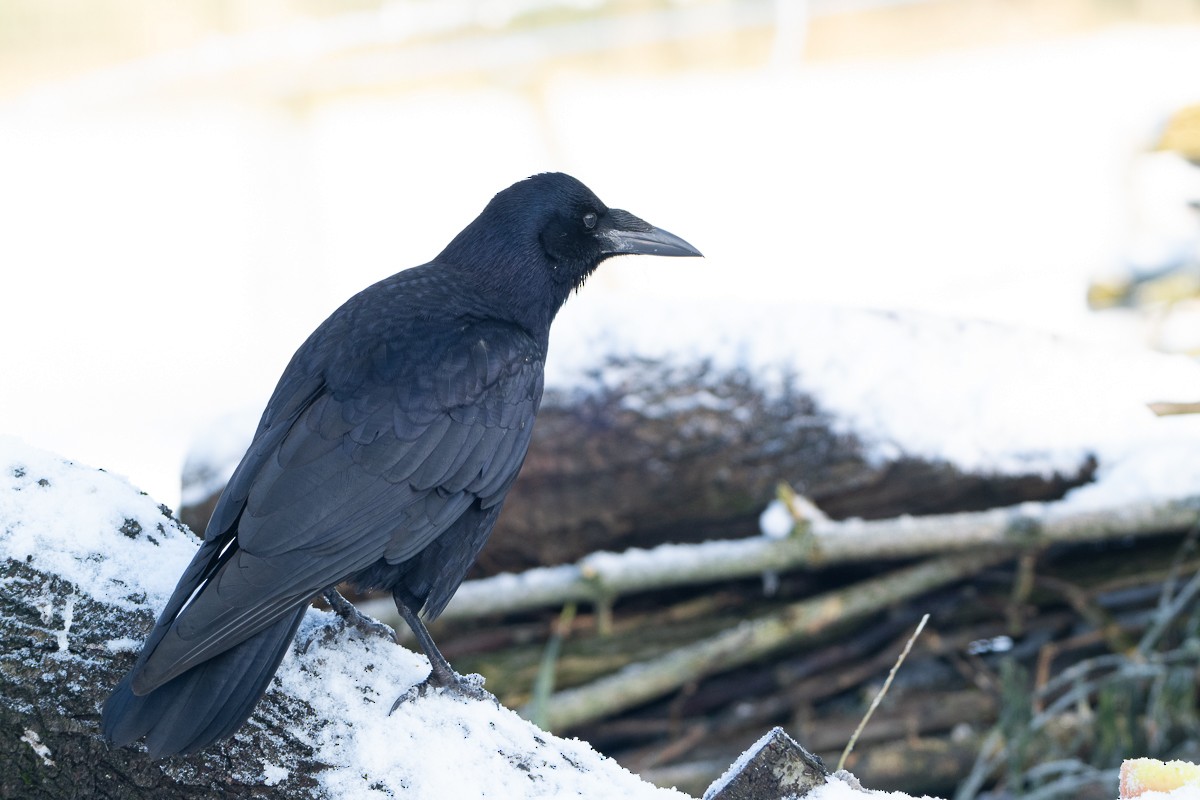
[355, 618]
[441, 674]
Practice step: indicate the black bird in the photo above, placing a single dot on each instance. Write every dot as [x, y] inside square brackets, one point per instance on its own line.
[383, 458]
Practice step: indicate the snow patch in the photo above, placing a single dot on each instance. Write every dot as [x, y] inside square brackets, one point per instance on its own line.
[89, 528]
[123, 645]
[273, 774]
[835, 788]
[1156, 462]
[68, 616]
[35, 743]
[436, 746]
[776, 521]
[983, 396]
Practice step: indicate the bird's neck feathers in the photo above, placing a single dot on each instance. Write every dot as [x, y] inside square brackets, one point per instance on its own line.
[511, 272]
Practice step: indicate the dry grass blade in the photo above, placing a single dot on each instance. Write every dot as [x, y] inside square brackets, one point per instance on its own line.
[882, 691]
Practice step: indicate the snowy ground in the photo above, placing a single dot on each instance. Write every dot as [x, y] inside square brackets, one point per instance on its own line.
[163, 258]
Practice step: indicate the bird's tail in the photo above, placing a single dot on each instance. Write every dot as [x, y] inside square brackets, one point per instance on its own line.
[204, 704]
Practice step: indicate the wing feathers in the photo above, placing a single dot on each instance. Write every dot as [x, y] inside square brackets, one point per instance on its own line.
[246, 596]
[377, 464]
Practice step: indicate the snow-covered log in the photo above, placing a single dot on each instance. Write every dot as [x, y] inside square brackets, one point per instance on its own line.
[667, 454]
[667, 422]
[674, 422]
[87, 559]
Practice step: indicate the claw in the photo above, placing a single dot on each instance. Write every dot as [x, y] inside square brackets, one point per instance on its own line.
[465, 687]
[354, 618]
[442, 676]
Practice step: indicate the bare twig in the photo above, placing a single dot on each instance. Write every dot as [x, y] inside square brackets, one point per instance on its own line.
[1022, 588]
[543, 684]
[882, 691]
[1168, 408]
[604, 576]
[1167, 614]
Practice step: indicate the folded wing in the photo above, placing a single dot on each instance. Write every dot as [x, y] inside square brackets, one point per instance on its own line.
[354, 475]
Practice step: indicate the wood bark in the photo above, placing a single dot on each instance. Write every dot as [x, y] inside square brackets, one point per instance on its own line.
[56, 669]
[777, 770]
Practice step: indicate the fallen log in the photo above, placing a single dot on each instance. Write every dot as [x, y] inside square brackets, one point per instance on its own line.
[656, 452]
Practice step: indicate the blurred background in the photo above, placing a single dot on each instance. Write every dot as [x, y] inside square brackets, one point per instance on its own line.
[187, 189]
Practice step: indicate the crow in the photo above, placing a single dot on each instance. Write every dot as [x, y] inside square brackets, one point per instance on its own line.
[382, 459]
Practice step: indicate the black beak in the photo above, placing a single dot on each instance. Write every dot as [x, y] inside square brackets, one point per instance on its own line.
[624, 234]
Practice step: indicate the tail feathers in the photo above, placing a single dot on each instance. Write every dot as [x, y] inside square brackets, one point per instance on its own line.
[204, 704]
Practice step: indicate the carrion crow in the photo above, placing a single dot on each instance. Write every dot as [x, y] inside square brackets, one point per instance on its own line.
[383, 458]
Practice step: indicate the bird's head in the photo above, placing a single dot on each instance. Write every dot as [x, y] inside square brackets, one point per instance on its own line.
[576, 231]
[550, 232]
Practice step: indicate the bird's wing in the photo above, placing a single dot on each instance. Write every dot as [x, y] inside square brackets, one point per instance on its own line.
[376, 463]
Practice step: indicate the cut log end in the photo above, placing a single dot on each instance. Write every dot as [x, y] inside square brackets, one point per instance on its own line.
[774, 768]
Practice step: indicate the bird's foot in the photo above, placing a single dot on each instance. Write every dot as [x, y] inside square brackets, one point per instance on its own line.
[466, 687]
[353, 618]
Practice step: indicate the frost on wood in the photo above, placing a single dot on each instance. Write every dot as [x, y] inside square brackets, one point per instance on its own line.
[85, 560]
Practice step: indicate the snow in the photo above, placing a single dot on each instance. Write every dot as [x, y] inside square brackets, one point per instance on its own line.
[1164, 233]
[837, 789]
[436, 746]
[35, 743]
[113, 544]
[61, 517]
[273, 774]
[1161, 465]
[776, 521]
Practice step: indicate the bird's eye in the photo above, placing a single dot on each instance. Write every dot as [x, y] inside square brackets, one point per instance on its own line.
[589, 220]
